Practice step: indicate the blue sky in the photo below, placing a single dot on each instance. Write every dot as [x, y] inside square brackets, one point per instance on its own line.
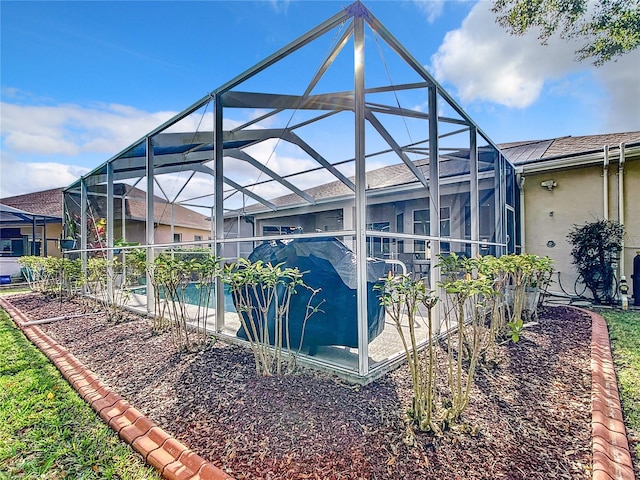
[82, 80]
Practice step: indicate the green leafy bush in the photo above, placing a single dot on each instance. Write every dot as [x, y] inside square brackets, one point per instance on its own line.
[596, 247]
[170, 276]
[402, 297]
[262, 291]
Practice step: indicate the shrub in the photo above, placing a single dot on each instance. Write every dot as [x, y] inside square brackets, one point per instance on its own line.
[171, 277]
[262, 296]
[596, 246]
[467, 294]
[103, 277]
[402, 298]
[526, 275]
[52, 275]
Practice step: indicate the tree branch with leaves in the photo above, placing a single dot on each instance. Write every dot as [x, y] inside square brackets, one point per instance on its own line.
[606, 28]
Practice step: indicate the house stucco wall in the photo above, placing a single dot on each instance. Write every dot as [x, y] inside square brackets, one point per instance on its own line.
[577, 199]
[53, 235]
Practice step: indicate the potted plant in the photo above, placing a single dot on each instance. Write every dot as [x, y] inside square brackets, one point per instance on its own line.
[68, 243]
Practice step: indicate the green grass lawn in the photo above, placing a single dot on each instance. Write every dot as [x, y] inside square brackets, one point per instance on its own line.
[47, 431]
[624, 331]
[9, 290]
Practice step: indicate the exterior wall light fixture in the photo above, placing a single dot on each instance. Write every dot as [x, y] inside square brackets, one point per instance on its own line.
[549, 184]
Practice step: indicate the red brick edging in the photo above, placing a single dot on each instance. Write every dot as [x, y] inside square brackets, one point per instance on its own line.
[168, 456]
[611, 457]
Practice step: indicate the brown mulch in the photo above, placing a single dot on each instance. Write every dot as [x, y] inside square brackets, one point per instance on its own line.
[531, 411]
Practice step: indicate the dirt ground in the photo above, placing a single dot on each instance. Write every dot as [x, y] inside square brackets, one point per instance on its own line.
[529, 416]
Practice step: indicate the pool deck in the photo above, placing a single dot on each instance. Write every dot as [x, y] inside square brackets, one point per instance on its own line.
[385, 351]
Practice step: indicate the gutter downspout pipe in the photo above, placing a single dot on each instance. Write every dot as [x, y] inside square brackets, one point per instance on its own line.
[521, 179]
[621, 203]
[605, 183]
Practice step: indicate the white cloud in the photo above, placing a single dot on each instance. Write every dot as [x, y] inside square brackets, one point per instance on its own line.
[25, 177]
[431, 9]
[73, 130]
[621, 80]
[280, 6]
[484, 62]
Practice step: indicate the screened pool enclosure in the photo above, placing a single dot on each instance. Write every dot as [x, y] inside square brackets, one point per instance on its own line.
[362, 166]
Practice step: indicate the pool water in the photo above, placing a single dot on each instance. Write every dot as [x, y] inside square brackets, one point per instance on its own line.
[192, 296]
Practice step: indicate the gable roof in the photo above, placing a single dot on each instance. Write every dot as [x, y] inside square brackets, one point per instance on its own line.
[388, 177]
[136, 209]
[45, 202]
[49, 203]
[518, 153]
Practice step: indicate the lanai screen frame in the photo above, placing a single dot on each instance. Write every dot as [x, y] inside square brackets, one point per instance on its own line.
[162, 152]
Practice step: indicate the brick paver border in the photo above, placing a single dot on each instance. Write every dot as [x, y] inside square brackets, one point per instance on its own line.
[174, 461]
[611, 457]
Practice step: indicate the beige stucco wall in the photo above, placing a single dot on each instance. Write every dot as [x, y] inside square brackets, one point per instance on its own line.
[53, 234]
[631, 214]
[576, 200]
[136, 232]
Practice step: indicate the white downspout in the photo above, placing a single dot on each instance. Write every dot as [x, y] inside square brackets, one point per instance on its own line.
[621, 202]
[605, 183]
[521, 180]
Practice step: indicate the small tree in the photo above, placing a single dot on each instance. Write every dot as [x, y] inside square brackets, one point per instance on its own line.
[262, 294]
[402, 297]
[172, 279]
[102, 276]
[596, 246]
[466, 303]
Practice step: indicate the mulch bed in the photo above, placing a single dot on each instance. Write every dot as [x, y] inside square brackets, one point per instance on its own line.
[530, 414]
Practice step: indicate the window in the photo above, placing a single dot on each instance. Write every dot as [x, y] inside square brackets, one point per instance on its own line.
[280, 230]
[421, 226]
[445, 227]
[177, 237]
[421, 222]
[378, 246]
[5, 248]
[197, 238]
[400, 229]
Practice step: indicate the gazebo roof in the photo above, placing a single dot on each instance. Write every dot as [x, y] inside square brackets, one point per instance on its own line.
[11, 215]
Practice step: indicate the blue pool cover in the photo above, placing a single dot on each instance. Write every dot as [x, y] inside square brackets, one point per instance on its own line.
[331, 267]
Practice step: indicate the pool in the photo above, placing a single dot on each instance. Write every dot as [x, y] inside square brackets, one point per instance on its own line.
[192, 296]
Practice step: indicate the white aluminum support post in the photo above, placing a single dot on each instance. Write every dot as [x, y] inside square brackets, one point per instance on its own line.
[33, 235]
[173, 227]
[434, 198]
[110, 223]
[123, 232]
[500, 207]
[474, 196]
[218, 217]
[151, 307]
[83, 227]
[360, 197]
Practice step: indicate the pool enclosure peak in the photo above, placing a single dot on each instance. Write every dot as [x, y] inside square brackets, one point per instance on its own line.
[365, 149]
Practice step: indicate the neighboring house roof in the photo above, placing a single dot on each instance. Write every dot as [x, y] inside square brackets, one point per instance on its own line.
[136, 206]
[49, 203]
[45, 202]
[522, 153]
